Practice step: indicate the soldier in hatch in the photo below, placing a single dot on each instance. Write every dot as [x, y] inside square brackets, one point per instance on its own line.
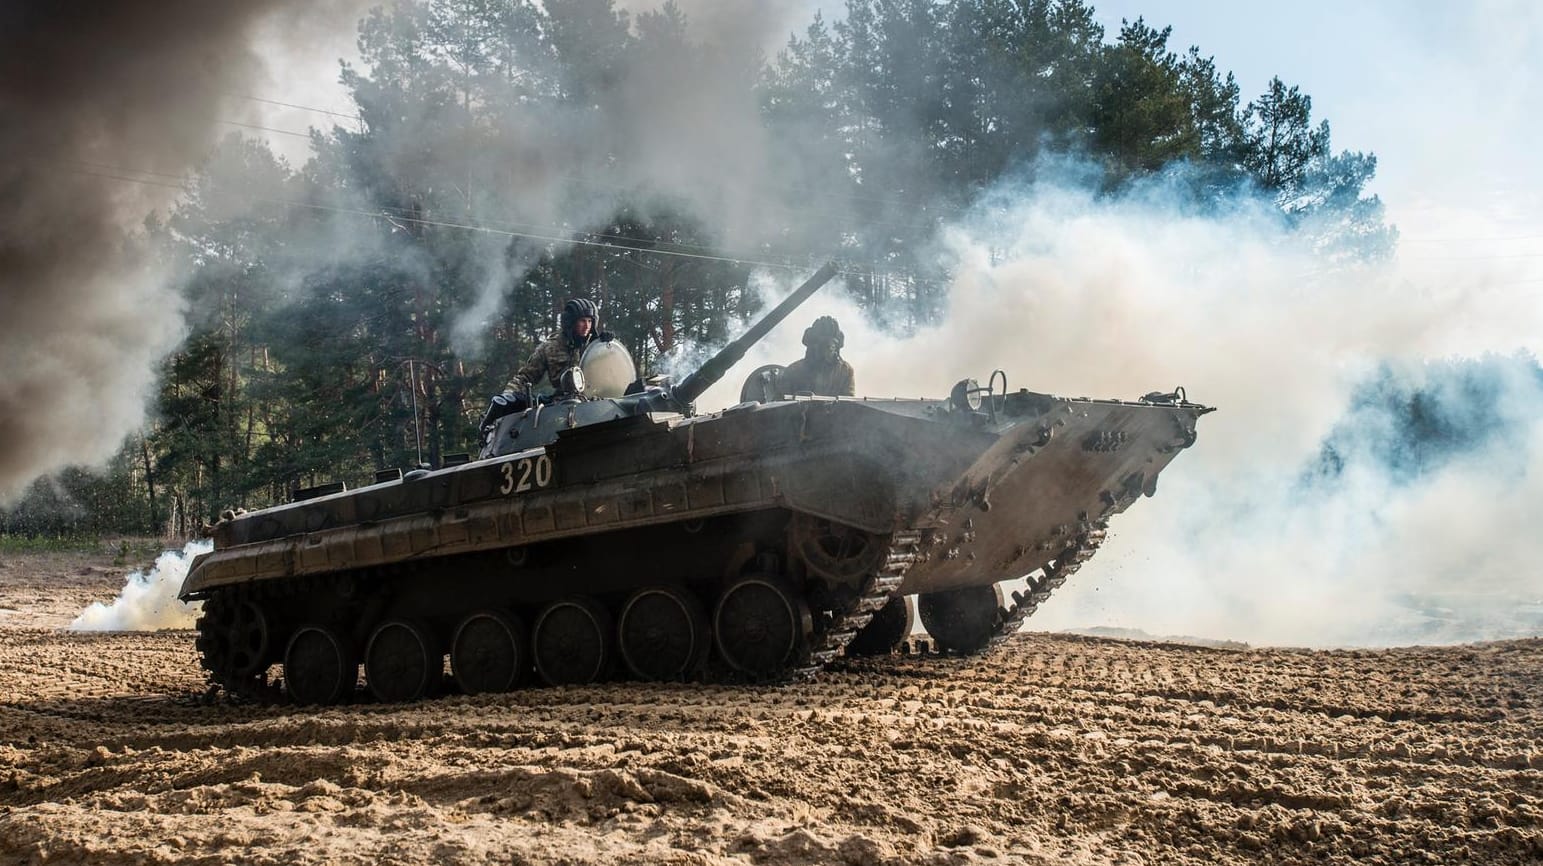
[821, 371]
[578, 326]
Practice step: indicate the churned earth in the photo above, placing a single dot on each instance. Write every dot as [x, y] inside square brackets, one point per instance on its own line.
[1050, 749]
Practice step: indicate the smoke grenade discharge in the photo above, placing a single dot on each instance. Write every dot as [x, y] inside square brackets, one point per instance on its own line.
[1377, 455]
[94, 94]
[148, 601]
[1313, 509]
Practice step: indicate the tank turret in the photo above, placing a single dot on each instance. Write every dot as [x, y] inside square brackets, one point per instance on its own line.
[570, 408]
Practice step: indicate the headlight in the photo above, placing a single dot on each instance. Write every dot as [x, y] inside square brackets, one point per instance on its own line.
[572, 381]
[966, 395]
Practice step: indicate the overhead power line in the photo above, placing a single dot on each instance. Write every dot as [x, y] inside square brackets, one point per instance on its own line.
[400, 218]
[297, 106]
[941, 207]
[266, 128]
[181, 186]
[506, 227]
[1474, 258]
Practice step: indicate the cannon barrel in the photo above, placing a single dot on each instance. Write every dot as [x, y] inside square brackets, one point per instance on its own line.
[709, 373]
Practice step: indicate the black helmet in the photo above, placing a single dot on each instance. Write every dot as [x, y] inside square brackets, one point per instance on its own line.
[579, 308]
[823, 330]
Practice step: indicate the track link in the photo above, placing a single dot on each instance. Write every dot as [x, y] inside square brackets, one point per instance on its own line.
[214, 654]
[876, 592]
[1049, 579]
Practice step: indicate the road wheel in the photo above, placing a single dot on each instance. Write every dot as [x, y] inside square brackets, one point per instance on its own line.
[571, 641]
[962, 620]
[490, 652]
[320, 667]
[662, 633]
[885, 631]
[759, 624]
[233, 639]
[402, 661]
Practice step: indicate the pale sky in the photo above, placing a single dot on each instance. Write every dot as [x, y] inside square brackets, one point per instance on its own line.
[1445, 93]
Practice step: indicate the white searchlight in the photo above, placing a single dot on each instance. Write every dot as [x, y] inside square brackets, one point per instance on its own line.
[608, 369]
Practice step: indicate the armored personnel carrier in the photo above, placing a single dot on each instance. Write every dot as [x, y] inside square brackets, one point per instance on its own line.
[601, 536]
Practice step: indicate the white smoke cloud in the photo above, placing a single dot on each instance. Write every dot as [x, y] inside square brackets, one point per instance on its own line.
[148, 601]
[1082, 295]
[1113, 298]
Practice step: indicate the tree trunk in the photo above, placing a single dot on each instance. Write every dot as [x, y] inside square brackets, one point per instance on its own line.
[144, 453]
[666, 308]
[429, 378]
[251, 419]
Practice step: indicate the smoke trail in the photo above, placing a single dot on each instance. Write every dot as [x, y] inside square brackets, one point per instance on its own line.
[148, 601]
[97, 95]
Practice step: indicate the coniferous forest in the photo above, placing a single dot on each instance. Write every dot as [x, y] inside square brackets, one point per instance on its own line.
[354, 312]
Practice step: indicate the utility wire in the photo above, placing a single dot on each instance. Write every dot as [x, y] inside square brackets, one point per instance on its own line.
[550, 234]
[765, 205]
[1474, 258]
[183, 187]
[295, 105]
[105, 166]
[397, 219]
[266, 128]
[406, 214]
[400, 216]
[510, 228]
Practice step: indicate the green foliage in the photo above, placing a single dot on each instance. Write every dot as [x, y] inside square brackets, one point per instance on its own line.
[1142, 109]
[1280, 141]
[23, 543]
[77, 503]
[353, 314]
[125, 550]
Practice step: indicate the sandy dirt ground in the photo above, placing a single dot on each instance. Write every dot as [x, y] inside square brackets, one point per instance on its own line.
[1051, 749]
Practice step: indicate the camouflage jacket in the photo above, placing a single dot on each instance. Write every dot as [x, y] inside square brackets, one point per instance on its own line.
[826, 380]
[548, 362]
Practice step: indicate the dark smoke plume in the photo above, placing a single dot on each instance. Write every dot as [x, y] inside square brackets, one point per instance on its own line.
[105, 106]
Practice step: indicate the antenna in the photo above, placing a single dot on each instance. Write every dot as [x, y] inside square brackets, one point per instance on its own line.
[412, 381]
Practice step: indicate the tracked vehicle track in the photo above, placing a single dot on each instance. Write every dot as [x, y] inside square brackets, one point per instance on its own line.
[232, 633]
[226, 646]
[1050, 578]
[876, 592]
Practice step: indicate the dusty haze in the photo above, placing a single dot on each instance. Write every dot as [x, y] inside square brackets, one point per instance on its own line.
[94, 94]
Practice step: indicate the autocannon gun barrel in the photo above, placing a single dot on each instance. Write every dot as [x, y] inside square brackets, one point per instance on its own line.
[709, 373]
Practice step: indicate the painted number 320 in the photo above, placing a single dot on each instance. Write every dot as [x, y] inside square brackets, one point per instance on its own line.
[527, 473]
